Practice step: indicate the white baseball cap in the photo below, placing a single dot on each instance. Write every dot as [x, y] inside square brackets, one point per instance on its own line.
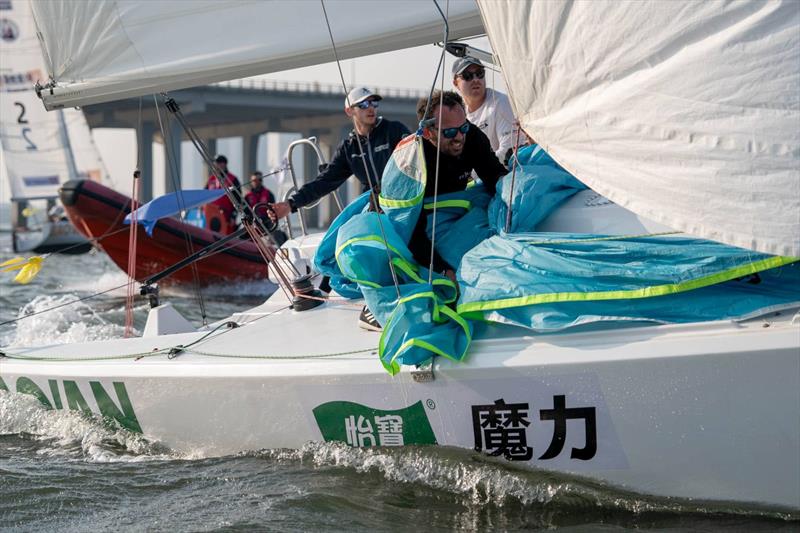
[359, 94]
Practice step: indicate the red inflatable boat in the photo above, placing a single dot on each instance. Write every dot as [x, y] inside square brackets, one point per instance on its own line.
[98, 213]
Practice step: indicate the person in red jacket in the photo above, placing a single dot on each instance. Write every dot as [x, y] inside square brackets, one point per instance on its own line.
[224, 203]
[259, 195]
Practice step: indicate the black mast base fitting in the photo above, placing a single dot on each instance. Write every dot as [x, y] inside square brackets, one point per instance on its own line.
[303, 288]
[151, 291]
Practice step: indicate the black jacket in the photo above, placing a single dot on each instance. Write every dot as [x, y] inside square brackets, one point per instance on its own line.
[454, 175]
[348, 161]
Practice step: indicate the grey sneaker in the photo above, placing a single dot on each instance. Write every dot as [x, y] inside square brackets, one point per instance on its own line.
[366, 320]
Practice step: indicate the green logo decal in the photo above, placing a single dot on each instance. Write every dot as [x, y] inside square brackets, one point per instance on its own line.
[361, 426]
[123, 414]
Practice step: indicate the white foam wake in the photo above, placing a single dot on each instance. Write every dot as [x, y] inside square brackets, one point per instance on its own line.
[76, 322]
[73, 434]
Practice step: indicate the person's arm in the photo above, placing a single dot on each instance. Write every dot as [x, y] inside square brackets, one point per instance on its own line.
[336, 173]
[420, 247]
[483, 159]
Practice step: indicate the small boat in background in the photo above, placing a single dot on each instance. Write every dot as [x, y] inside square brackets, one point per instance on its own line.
[98, 212]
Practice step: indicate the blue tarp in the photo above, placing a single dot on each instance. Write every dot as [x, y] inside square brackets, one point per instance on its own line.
[542, 281]
[171, 204]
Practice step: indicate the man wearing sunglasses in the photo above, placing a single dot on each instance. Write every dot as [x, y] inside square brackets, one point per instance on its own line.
[461, 149]
[363, 153]
[488, 109]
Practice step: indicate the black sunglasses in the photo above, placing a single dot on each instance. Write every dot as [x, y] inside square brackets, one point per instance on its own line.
[467, 76]
[450, 133]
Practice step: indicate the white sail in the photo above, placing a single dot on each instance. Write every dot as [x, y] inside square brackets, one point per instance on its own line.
[88, 163]
[41, 150]
[685, 112]
[33, 148]
[111, 49]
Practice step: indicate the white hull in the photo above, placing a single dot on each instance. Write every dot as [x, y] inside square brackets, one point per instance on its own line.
[51, 237]
[706, 411]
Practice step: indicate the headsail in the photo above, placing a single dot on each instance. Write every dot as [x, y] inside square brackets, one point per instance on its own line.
[41, 150]
[684, 112]
[33, 149]
[120, 49]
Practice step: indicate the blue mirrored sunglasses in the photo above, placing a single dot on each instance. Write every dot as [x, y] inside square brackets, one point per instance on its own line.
[449, 133]
[366, 104]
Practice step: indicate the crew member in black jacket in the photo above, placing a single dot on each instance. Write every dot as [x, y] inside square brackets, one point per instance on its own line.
[377, 138]
[364, 153]
[462, 148]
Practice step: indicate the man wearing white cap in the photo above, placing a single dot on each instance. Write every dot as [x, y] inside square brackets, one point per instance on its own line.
[364, 153]
[488, 109]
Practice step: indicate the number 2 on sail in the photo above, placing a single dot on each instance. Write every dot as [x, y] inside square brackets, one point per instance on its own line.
[25, 131]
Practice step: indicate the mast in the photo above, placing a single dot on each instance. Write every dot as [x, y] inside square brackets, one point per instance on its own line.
[72, 168]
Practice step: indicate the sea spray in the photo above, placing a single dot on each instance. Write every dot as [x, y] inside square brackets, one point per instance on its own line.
[72, 433]
[74, 322]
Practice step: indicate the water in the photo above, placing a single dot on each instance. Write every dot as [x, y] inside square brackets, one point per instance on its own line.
[62, 471]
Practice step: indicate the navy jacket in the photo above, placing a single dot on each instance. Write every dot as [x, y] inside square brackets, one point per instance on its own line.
[348, 161]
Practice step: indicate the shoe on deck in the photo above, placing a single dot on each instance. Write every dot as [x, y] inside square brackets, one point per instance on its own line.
[366, 320]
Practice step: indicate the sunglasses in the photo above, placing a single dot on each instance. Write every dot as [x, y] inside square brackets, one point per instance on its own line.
[366, 104]
[450, 133]
[467, 76]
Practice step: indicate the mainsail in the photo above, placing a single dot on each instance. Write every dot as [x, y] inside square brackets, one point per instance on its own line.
[687, 113]
[41, 150]
[111, 49]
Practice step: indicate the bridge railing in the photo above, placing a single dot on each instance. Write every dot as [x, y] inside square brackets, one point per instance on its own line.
[313, 87]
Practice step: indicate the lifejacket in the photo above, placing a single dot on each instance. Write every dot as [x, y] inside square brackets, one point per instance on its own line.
[216, 219]
[223, 202]
[263, 196]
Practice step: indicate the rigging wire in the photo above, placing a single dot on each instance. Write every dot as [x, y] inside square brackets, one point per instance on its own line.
[438, 134]
[177, 186]
[249, 219]
[132, 242]
[132, 235]
[373, 194]
[514, 166]
[34, 313]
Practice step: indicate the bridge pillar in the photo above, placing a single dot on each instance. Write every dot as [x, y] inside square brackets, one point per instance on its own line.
[172, 157]
[144, 141]
[249, 155]
[211, 145]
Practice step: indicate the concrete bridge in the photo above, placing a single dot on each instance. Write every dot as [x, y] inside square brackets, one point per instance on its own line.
[246, 109]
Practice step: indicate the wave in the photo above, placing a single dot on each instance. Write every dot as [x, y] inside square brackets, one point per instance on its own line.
[76, 322]
[73, 434]
[483, 481]
[447, 488]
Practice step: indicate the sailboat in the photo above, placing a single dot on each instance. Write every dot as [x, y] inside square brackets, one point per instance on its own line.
[703, 408]
[41, 150]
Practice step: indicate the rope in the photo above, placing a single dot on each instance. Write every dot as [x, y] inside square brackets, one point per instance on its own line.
[178, 187]
[64, 304]
[173, 351]
[249, 219]
[132, 241]
[513, 177]
[438, 138]
[373, 194]
[166, 351]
